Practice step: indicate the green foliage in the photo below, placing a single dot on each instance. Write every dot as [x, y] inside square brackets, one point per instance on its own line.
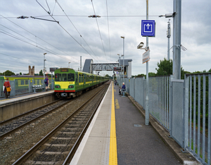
[151, 74]
[8, 73]
[40, 73]
[20, 73]
[164, 67]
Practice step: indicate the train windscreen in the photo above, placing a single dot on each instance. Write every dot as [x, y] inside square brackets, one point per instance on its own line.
[64, 77]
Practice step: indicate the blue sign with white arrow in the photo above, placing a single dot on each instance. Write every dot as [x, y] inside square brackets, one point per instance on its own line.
[148, 28]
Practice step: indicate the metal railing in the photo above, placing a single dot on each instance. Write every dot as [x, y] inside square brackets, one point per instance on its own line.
[20, 86]
[198, 105]
[182, 107]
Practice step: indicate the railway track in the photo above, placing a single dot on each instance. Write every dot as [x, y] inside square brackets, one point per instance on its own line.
[12, 125]
[59, 145]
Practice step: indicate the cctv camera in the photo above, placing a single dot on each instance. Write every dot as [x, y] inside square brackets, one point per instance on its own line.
[140, 45]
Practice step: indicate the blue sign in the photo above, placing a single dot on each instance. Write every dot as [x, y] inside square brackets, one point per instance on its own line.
[148, 28]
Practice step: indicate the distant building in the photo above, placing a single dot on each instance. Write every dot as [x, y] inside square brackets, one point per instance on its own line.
[31, 71]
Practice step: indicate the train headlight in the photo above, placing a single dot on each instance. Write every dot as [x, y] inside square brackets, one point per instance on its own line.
[71, 86]
[57, 86]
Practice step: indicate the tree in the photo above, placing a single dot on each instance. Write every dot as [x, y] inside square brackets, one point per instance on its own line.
[20, 73]
[151, 74]
[164, 67]
[40, 73]
[8, 73]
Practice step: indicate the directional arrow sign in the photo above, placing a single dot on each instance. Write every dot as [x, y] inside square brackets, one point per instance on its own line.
[148, 28]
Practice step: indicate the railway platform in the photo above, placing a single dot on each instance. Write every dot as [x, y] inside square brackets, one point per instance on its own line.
[118, 135]
[22, 103]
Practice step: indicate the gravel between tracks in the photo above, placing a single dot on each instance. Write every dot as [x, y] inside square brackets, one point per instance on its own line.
[14, 146]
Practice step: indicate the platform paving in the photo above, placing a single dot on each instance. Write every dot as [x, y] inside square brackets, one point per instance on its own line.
[138, 144]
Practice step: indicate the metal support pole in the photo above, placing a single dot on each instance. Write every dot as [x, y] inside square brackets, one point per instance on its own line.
[123, 60]
[44, 67]
[80, 63]
[147, 79]
[168, 36]
[177, 40]
[51, 80]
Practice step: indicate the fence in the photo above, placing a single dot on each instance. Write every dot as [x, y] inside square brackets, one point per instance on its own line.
[20, 86]
[198, 106]
[183, 107]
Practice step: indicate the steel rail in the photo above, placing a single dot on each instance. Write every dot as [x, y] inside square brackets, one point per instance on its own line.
[27, 154]
[32, 120]
[75, 146]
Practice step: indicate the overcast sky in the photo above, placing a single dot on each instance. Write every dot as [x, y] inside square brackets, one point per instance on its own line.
[23, 41]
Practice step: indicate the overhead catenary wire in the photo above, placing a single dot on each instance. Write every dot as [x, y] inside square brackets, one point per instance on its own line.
[48, 6]
[27, 42]
[122, 16]
[25, 37]
[32, 34]
[75, 28]
[98, 28]
[64, 29]
[108, 28]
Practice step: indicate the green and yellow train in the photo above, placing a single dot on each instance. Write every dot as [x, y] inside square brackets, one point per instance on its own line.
[70, 83]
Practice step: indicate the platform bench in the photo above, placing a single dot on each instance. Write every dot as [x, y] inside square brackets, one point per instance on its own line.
[37, 87]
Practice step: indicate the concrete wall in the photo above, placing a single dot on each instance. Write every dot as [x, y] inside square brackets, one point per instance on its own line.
[15, 108]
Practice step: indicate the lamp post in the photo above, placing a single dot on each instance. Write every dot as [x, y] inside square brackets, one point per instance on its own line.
[123, 67]
[168, 36]
[44, 66]
[123, 57]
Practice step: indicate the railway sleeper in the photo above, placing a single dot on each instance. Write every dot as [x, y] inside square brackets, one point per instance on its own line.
[52, 152]
[30, 162]
[68, 133]
[57, 145]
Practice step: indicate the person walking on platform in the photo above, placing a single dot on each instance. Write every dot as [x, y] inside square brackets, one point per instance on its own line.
[46, 81]
[123, 88]
[7, 88]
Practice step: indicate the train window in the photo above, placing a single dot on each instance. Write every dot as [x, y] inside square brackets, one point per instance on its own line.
[57, 77]
[76, 77]
[70, 77]
[80, 78]
[22, 82]
[38, 82]
[26, 82]
[64, 77]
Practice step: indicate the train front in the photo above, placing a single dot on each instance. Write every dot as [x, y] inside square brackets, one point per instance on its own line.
[64, 83]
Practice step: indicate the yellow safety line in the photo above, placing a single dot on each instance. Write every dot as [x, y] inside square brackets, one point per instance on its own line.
[113, 144]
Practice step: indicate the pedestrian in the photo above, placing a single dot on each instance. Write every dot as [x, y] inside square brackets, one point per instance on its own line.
[123, 87]
[46, 81]
[115, 82]
[7, 88]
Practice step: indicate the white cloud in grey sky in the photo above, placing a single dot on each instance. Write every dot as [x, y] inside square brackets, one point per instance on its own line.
[16, 55]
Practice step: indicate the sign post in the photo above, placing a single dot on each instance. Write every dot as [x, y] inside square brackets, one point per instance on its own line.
[147, 30]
